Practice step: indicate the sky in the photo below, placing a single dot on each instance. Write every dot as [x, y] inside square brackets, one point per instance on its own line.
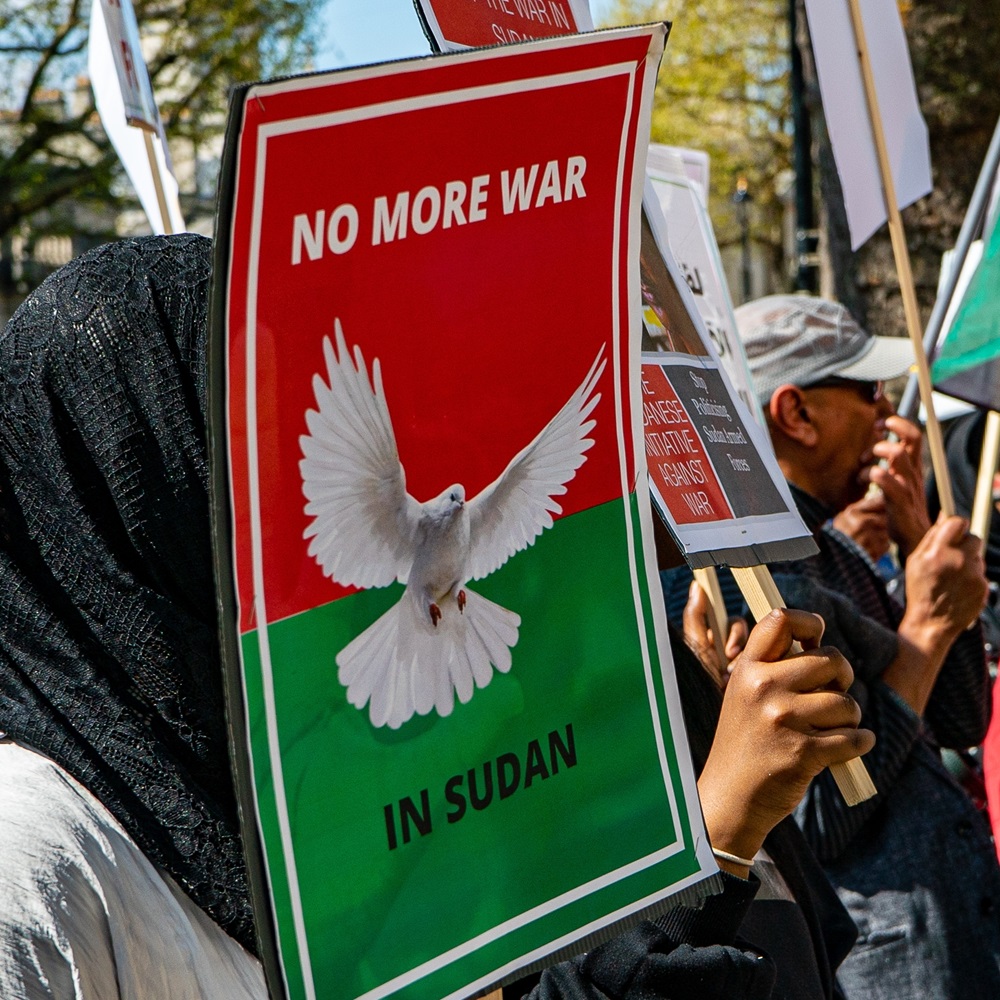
[363, 31]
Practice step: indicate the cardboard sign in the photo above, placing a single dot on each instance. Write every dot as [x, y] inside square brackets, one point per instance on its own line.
[452, 25]
[463, 727]
[712, 473]
[835, 48]
[694, 248]
[133, 77]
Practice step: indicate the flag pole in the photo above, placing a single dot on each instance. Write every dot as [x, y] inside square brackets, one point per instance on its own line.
[906, 284]
[982, 507]
[762, 595]
[978, 204]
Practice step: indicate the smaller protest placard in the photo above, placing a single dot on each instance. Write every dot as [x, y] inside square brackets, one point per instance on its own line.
[126, 51]
[842, 86]
[694, 247]
[694, 164]
[713, 476]
[452, 25]
[124, 99]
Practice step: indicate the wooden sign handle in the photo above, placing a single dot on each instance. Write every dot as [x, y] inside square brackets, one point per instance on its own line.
[762, 595]
[718, 619]
[161, 197]
[982, 507]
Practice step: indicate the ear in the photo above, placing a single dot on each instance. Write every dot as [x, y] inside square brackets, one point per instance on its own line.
[791, 414]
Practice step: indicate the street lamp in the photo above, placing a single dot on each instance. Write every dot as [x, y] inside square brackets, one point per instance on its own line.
[742, 199]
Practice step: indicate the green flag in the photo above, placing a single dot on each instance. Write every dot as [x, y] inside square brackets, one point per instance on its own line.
[974, 336]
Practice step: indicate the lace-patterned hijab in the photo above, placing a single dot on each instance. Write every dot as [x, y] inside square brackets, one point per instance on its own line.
[109, 660]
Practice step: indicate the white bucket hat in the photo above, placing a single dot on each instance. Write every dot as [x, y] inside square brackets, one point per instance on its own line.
[802, 340]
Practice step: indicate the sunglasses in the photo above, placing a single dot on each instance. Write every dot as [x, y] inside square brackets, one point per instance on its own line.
[870, 392]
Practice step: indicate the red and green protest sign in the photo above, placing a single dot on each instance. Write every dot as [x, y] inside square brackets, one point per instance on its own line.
[712, 473]
[452, 25]
[462, 721]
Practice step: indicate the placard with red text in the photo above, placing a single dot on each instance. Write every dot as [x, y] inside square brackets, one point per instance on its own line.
[453, 25]
[712, 473]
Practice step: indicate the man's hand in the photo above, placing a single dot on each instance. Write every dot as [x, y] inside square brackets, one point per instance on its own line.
[902, 484]
[700, 638]
[946, 585]
[782, 722]
[945, 590]
[867, 523]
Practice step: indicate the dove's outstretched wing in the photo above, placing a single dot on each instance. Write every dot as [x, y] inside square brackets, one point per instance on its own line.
[515, 509]
[364, 523]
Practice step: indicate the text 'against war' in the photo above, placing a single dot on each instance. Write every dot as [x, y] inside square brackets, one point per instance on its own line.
[454, 203]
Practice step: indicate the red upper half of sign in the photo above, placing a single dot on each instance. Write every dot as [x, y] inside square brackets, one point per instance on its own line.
[678, 463]
[487, 22]
[465, 236]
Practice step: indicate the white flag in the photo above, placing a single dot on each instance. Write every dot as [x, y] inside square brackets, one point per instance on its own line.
[846, 109]
[129, 142]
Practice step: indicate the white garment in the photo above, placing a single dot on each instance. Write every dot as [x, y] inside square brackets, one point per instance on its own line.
[84, 915]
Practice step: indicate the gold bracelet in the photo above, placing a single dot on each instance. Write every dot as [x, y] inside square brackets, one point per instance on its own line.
[732, 858]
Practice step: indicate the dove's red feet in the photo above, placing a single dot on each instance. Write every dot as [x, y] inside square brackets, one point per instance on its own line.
[461, 600]
[435, 614]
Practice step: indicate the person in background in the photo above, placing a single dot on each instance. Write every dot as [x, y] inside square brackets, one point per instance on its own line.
[913, 865]
[963, 447]
[122, 871]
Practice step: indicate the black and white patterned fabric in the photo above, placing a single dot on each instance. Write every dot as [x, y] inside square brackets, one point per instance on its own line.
[109, 657]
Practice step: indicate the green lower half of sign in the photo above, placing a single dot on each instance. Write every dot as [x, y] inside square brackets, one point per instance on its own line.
[514, 816]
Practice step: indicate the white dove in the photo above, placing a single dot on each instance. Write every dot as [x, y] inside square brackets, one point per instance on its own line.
[440, 638]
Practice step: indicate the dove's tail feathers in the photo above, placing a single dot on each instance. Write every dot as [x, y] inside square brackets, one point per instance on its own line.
[403, 665]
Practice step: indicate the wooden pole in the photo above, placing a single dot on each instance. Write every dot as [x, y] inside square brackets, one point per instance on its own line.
[718, 618]
[982, 507]
[762, 595]
[902, 255]
[154, 166]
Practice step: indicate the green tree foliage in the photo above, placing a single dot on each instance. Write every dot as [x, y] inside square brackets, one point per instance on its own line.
[723, 87]
[52, 146]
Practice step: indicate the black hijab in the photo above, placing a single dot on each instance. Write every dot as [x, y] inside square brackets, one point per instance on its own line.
[109, 658]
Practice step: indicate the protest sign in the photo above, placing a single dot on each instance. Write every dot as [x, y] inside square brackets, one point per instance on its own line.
[126, 53]
[869, 87]
[842, 86]
[452, 25]
[676, 161]
[694, 248]
[713, 475]
[124, 100]
[444, 689]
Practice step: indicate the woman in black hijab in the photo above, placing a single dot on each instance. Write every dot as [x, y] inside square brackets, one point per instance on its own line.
[109, 659]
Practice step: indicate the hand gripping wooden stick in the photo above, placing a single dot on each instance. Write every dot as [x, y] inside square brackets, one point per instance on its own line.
[762, 595]
[982, 507]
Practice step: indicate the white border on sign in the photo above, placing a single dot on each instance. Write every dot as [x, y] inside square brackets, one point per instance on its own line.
[383, 109]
